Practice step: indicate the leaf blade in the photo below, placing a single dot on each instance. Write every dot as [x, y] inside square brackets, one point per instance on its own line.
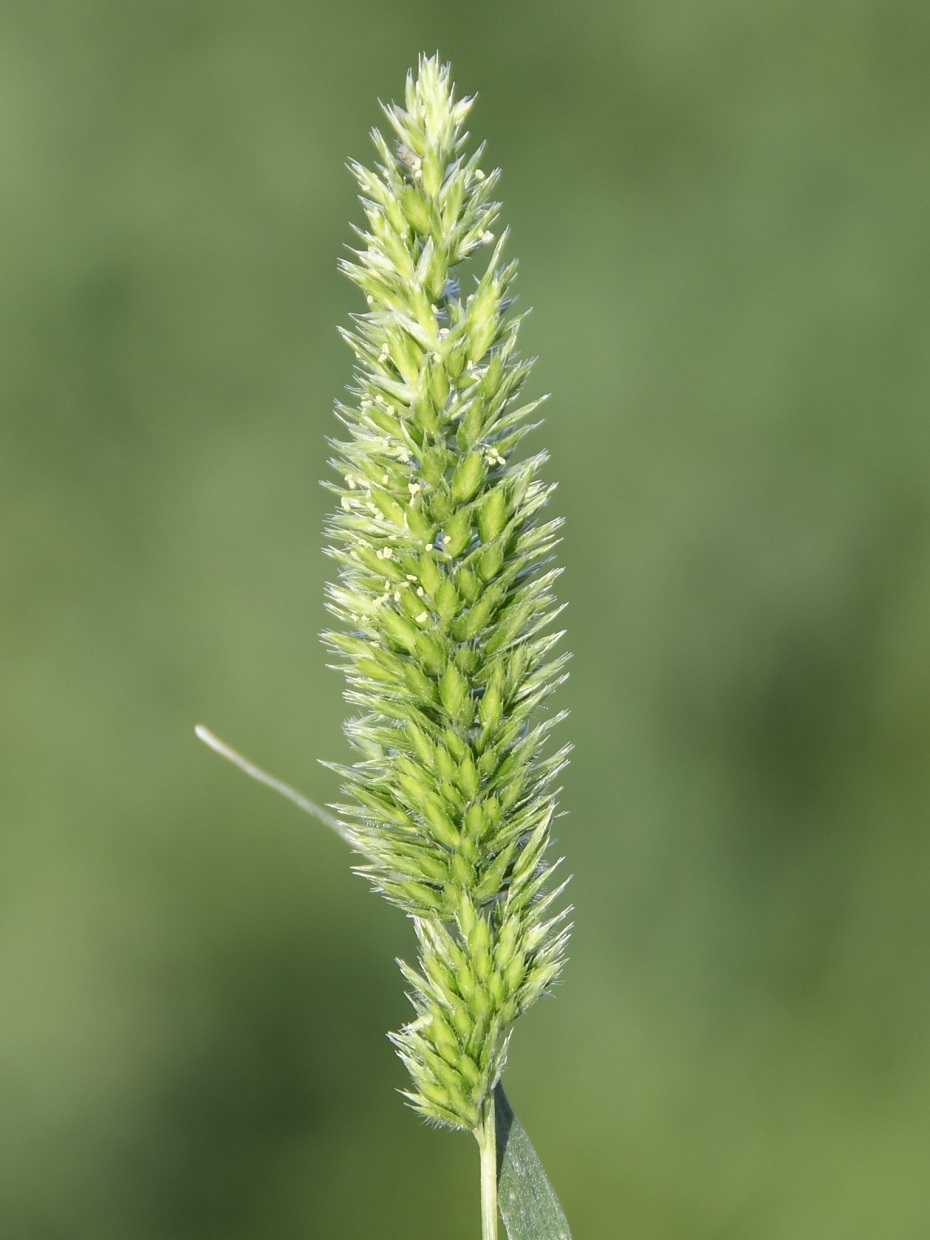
[528, 1204]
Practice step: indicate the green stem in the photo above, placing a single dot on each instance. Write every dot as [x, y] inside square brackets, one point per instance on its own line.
[486, 1135]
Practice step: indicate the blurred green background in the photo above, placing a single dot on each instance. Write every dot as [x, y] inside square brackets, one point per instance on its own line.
[721, 212]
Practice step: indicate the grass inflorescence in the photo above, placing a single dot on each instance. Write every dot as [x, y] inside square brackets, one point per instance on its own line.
[445, 605]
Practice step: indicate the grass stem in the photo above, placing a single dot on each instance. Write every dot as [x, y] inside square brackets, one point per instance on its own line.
[487, 1145]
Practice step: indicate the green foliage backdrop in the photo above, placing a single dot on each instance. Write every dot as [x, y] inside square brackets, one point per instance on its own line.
[721, 215]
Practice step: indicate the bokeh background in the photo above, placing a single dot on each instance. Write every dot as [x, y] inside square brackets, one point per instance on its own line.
[721, 212]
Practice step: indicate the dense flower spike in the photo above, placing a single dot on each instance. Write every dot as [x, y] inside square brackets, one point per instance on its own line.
[445, 596]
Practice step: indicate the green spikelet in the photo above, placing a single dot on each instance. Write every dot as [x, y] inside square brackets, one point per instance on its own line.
[445, 598]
